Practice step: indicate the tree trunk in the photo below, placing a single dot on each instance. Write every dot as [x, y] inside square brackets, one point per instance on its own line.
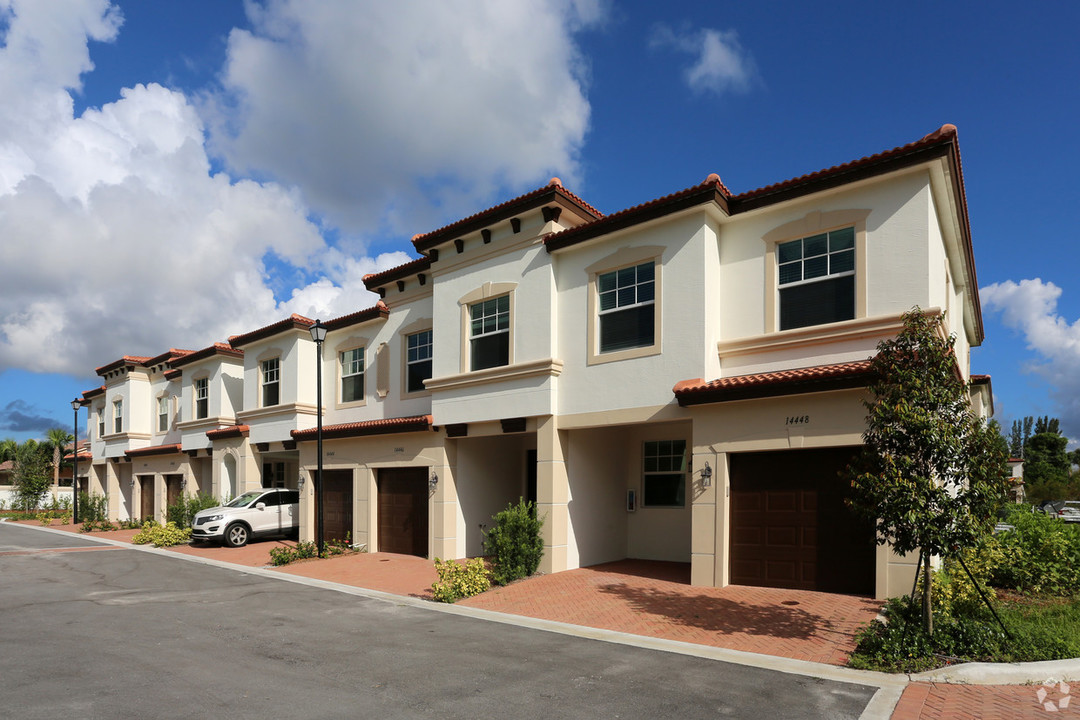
[928, 612]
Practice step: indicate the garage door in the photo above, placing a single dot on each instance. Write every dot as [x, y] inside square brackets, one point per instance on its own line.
[403, 511]
[337, 516]
[790, 526]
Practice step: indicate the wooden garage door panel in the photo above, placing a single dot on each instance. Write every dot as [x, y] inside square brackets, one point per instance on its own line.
[403, 511]
[790, 526]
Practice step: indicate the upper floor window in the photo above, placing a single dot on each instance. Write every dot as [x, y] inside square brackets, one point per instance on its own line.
[417, 360]
[163, 413]
[101, 422]
[271, 382]
[817, 279]
[664, 473]
[352, 375]
[625, 309]
[202, 397]
[118, 416]
[489, 333]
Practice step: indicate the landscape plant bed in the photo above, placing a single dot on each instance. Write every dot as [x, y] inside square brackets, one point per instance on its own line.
[1041, 628]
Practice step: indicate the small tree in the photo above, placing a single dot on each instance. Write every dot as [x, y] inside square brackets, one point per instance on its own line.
[31, 475]
[932, 474]
[56, 440]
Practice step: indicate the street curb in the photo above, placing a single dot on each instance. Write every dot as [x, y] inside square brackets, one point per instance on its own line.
[1004, 673]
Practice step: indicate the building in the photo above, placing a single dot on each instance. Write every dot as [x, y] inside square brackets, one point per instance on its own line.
[681, 380]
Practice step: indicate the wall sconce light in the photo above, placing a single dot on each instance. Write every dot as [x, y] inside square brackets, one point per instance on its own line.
[300, 484]
[433, 481]
[183, 483]
[706, 475]
[131, 484]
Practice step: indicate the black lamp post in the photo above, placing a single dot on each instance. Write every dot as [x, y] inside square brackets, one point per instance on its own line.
[75, 405]
[318, 334]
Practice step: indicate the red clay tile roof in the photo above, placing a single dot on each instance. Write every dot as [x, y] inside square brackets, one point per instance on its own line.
[980, 379]
[131, 360]
[173, 374]
[7, 466]
[370, 427]
[374, 280]
[228, 432]
[292, 322]
[91, 394]
[782, 382]
[216, 349]
[378, 310]
[531, 200]
[154, 450]
[167, 356]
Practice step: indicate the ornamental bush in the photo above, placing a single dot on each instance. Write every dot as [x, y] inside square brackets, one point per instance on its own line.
[285, 555]
[458, 581]
[514, 543]
[161, 535]
[182, 512]
[1041, 554]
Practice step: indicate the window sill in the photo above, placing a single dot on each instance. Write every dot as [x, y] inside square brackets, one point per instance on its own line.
[628, 354]
[550, 367]
[288, 409]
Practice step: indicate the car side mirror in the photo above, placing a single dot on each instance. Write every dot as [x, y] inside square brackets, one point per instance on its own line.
[260, 506]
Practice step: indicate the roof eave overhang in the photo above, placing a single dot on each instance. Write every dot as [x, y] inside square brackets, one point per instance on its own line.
[707, 396]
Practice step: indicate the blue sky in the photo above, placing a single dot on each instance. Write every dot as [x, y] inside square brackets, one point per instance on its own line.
[175, 172]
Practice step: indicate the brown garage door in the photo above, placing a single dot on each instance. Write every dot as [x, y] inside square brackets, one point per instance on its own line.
[172, 489]
[403, 511]
[337, 516]
[790, 526]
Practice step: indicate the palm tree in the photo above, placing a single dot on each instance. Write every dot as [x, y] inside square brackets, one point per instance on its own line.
[8, 448]
[57, 439]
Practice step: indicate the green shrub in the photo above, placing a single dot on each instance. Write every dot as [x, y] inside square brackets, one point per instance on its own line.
[458, 581]
[92, 507]
[182, 512]
[1041, 554]
[44, 517]
[514, 543]
[161, 535]
[285, 555]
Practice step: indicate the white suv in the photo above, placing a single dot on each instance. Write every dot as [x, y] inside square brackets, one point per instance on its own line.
[258, 513]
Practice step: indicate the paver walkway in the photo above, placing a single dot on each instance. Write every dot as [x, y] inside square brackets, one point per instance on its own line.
[655, 599]
[931, 701]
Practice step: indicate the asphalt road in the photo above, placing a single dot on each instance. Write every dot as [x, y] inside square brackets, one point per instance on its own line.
[121, 633]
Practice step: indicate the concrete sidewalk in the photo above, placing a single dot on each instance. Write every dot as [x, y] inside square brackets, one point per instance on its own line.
[654, 600]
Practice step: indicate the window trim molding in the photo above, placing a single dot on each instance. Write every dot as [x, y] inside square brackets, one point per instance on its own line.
[422, 325]
[487, 291]
[118, 403]
[811, 224]
[686, 473]
[169, 403]
[622, 258]
[353, 342]
[262, 380]
[204, 375]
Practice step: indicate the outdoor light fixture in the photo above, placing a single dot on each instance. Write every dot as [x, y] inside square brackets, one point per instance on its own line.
[318, 334]
[75, 405]
[183, 482]
[300, 484]
[433, 481]
[706, 475]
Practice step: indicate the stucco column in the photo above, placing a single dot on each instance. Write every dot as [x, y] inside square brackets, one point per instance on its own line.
[445, 510]
[553, 493]
[112, 490]
[703, 545]
[722, 483]
[365, 496]
[161, 497]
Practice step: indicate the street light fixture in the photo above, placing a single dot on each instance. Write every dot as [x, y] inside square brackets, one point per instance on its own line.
[75, 405]
[318, 334]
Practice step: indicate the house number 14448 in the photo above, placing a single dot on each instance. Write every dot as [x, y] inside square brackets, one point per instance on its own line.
[797, 420]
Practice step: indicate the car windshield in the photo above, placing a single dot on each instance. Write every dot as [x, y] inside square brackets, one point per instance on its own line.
[244, 500]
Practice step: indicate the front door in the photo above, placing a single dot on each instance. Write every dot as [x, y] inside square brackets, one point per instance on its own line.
[146, 491]
[172, 489]
[337, 517]
[403, 511]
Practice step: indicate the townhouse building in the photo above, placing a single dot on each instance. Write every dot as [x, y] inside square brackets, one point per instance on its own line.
[682, 380]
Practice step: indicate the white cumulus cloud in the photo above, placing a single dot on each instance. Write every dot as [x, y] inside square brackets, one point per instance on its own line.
[1030, 307]
[117, 238]
[388, 114]
[718, 62]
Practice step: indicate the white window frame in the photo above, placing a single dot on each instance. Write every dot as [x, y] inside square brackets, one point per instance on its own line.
[646, 473]
[163, 413]
[362, 373]
[814, 223]
[200, 394]
[118, 416]
[488, 291]
[620, 260]
[409, 361]
[269, 376]
[101, 421]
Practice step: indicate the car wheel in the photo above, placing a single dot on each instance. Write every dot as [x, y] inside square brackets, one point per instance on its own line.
[236, 535]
